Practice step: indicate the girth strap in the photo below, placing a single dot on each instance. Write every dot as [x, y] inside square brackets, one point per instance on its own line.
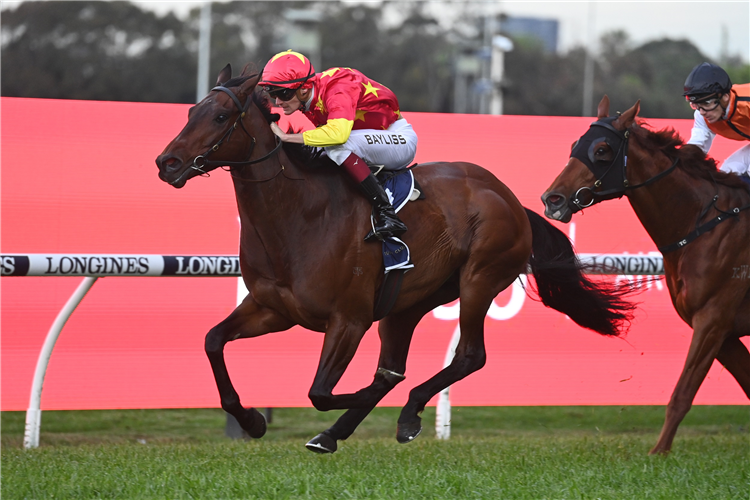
[388, 293]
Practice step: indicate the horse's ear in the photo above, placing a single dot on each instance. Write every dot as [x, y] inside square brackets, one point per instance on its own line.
[248, 85]
[602, 111]
[224, 75]
[628, 117]
[247, 70]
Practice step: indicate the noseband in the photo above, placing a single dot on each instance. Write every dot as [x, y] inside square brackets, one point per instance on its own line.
[200, 163]
[606, 186]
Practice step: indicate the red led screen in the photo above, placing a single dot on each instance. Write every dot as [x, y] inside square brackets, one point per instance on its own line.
[79, 177]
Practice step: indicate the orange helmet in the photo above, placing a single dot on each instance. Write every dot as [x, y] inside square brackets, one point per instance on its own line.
[289, 70]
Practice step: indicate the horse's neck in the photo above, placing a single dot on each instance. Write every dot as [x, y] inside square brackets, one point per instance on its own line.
[669, 207]
[274, 193]
[282, 215]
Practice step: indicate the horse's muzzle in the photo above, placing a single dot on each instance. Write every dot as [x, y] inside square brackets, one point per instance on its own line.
[556, 207]
[170, 170]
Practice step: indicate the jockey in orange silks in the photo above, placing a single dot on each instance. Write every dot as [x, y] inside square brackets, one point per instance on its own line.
[720, 109]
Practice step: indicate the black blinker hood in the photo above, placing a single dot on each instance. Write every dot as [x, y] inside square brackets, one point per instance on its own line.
[606, 186]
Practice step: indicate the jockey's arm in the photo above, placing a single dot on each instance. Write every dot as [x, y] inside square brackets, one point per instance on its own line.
[341, 112]
[293, 138]
[333, 133]
[701, 135]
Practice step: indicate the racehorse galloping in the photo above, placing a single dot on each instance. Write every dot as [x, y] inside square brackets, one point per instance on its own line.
[305, 263]
[698, 218]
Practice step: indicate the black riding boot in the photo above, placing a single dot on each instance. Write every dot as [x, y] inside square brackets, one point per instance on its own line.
[387, 222]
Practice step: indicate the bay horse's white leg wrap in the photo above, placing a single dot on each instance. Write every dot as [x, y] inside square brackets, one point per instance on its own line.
[388, 374]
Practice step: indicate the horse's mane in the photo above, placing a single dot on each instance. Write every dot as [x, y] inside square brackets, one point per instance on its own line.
[692, 159]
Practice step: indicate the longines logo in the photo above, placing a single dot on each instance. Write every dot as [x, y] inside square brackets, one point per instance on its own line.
[198, 265]
[81, 265]
[629, 264]
[118, 265]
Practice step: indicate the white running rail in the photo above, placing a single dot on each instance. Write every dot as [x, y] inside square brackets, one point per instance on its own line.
[94, 266]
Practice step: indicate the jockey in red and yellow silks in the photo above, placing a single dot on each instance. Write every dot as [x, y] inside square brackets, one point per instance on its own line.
[347, 100]
[720, 108]
[357, 121]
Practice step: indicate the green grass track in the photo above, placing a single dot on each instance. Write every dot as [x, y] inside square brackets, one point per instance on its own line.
[494, 453]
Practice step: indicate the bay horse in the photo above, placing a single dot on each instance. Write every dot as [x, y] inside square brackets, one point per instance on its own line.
[697, 216]
[304, 260]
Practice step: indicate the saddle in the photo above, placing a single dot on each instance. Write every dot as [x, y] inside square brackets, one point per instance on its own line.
[384, 177]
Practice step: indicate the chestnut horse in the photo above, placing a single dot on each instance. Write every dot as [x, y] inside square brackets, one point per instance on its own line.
[699, 219]
[304, 260]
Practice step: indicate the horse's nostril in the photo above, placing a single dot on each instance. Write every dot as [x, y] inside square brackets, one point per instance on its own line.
[169, 163]
[555, 200]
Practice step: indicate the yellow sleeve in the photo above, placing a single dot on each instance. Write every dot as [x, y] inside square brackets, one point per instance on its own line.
[333, 133]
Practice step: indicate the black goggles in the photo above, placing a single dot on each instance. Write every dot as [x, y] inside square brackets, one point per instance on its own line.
[705, 104]
[281, 93]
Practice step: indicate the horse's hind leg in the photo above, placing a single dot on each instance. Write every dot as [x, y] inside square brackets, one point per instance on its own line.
[736, 359]
[248, 320]
[395, 332]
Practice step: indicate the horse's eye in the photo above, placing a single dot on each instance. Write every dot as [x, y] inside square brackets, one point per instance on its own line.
[221, 118]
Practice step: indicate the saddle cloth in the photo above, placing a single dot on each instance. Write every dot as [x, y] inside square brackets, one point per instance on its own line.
[399, 186]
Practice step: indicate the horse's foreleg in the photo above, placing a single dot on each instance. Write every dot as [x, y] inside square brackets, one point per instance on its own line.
[339, 346]
[470, 356]
[395, 332]
[395, 337]
[708, 337]
[325, 442]
[248, 320]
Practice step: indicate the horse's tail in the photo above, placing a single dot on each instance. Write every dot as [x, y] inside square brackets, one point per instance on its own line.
[562, 285]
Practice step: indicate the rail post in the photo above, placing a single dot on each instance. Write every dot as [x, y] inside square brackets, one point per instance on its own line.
[34, 413]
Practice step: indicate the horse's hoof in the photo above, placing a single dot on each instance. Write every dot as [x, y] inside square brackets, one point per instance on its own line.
[322, 443]
[408, 432]
[659, 452]
[254, 423]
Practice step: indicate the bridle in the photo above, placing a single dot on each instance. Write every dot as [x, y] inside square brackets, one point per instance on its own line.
[613, 187]
[204, 165]
[605, 186]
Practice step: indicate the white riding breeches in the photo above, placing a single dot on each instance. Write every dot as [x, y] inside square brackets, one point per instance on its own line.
[738, 162]
[394, 148]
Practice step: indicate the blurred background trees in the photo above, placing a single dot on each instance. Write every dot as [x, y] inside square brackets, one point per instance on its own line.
[117, 51]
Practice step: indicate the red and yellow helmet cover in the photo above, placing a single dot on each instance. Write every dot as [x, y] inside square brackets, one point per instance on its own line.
[288, 69]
